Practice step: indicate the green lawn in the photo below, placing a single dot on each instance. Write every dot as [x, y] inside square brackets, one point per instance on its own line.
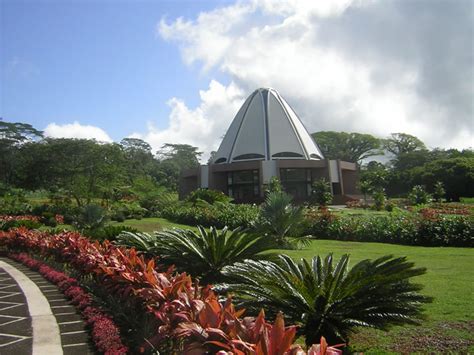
[150, 225]
[450, 280]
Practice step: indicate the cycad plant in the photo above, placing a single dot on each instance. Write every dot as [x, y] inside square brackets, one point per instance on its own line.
[281, 220]
[204, 253]
[328, 299]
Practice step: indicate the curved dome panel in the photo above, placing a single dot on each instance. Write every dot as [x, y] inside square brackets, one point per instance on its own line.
[266, 128]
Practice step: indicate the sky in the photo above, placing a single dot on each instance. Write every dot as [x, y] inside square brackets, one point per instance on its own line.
[178, 71]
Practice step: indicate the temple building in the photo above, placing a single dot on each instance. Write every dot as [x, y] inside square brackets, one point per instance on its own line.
[266, 139]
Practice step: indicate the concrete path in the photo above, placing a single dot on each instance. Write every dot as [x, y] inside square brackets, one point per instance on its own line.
[35, 317]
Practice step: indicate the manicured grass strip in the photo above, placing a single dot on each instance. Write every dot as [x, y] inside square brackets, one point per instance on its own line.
[149, 225]
[449, 277]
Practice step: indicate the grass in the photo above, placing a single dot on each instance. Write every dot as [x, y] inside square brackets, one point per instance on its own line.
[449, 279]
[150, 225]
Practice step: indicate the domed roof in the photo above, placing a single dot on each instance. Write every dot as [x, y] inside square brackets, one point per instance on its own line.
[266, 128]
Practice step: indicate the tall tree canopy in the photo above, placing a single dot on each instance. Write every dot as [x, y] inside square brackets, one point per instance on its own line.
[347, 146]
[173, 159]
[402, 143]
[12, 136]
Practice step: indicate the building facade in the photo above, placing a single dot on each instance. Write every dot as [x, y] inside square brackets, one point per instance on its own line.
[266, 139]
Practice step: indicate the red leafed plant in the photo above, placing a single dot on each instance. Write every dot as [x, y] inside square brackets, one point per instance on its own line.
[189, 315]
[105, 334]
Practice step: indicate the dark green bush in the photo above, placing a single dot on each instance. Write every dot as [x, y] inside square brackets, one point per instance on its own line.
[108, 232]
[208, 195]
[126, 210]
[6, 225]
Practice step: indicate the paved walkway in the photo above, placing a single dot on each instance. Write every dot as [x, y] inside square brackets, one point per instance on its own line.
[35, 317]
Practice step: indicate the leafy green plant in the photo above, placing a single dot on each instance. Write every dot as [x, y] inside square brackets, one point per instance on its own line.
[326, 297]
[218, 215]
[439, 192]
[202, 254]
[274, 185]
[208, 195]
[379, 199]
[109, 233]
[280, 219]
[321, 192]
[91, 217]
[418, 195]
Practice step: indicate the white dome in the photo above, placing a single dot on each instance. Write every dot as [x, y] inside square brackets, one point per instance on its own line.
[266, 128]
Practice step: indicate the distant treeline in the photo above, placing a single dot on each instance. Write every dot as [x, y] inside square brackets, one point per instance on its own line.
[87, 169]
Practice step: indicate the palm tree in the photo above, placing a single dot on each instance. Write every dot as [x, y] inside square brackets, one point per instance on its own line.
[205, 253]
[328, 299]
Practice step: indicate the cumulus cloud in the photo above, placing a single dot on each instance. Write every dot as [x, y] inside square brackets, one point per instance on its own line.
[363, 66]
[76, 130]
[202, 126]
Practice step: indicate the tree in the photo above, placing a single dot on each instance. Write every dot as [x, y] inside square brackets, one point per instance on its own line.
[438, 191]
[401, 143]
[16, 132]
[83, 168]
[138, 158]
[12, 136]
[374, 175]
[352, 147]
[457, 176]
[173, 159]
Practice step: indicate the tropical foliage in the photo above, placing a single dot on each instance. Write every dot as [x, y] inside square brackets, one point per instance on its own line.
[202, 254]
[429, 227]
[280, 220]
[321, 192]
[326, 297]
[183, 315]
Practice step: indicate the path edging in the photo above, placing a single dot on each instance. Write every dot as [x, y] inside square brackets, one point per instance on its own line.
[46, 336]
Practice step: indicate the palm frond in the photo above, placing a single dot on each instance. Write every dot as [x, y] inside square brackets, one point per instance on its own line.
[326, 298]
[204, 253]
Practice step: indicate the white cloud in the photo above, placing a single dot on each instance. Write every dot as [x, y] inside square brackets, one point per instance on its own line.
[76, 130]
[202, 126]
[363, 66]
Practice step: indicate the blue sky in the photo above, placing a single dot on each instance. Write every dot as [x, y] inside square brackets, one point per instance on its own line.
[99, 63]
[177, 71]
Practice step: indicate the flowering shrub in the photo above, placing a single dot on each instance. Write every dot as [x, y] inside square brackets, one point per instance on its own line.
[427, 228]
[7, 218]
[186, 314]
[105, 334]
[449, 208]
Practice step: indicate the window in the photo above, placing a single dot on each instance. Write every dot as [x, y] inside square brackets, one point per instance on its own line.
[220, 160]
[287, 155]
[249, 156]
[243, 185]
[296, 182]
